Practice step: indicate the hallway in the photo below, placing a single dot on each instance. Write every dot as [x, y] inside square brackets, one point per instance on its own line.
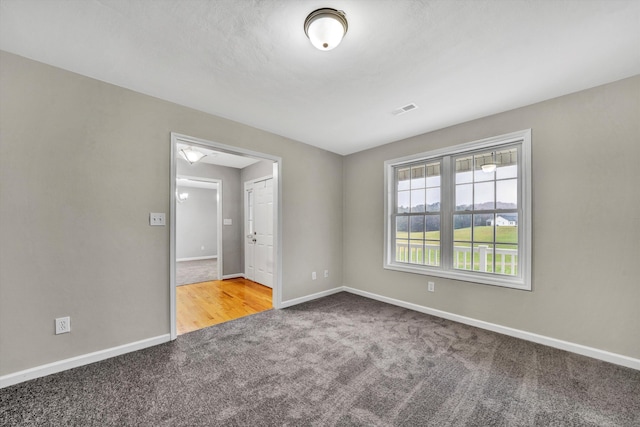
[208, 303]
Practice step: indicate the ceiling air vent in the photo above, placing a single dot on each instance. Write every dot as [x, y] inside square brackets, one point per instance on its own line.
[405, 109]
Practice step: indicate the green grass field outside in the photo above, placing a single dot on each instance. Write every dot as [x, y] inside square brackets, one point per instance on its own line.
[483, 234]
[506, 237]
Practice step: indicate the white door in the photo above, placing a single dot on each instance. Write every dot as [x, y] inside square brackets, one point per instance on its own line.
[259, 231]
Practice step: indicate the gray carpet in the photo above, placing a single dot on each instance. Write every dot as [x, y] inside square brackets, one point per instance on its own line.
[188, 272]
[340, 361]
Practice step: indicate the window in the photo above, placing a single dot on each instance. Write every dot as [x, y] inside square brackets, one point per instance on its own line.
[463, 212]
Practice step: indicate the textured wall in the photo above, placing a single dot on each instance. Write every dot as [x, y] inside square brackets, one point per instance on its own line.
[197, 223]
[231, 209]
[82, 163]
[257, 170]
[586, 233]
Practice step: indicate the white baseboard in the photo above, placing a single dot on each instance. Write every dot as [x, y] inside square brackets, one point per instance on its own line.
[233, 276]
[197, 258]
[311, 297]
[595, 353]
[74, 362]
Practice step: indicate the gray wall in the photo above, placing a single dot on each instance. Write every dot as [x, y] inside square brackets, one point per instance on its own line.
[586, 233]
[197, 223]
[74, 211]
[256, 170]
[231, 209]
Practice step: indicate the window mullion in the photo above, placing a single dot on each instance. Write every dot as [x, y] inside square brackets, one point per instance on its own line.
[446, 213]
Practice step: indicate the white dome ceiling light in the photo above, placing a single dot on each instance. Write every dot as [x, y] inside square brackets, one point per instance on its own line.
[192, 155]
[326, 27]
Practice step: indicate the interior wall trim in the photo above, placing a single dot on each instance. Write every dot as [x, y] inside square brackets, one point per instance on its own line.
[197, 258]
[296, 301]
[84, 359]
[595, 353]
[233, 276]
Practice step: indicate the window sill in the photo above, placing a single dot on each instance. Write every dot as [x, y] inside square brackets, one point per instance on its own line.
[465, 276]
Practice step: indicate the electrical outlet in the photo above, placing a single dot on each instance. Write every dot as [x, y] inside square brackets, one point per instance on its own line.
[431, 286]
[63, 325]
[156, 219]
[313, 275]
[326, 274]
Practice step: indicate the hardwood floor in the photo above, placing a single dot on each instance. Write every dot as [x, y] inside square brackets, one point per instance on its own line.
[209, 303]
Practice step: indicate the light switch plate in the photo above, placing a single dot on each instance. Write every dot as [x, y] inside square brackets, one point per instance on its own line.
[227, 221]
[156, 219]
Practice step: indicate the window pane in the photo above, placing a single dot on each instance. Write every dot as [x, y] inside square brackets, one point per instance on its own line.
[506, 260]
[433, 199]
[433, 174]
[464, 197]
[404, 177]
[416, 251]
[403, 201]
[433, 181]
[464, 170]
[418, 176]
[507, 228]
[483, 228]
[483, 196]
[416, 227]
[402, 250]
[432, 245]
[462, 227]
[483, 258]
[507, 162]
[402, 227]
[417, 200]
[507, 172]
[432, 227]
[485, 160]
[507, 194]
[462, 256]
[432, 252]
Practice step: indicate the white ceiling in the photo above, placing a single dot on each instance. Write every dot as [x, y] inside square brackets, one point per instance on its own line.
[250, 61]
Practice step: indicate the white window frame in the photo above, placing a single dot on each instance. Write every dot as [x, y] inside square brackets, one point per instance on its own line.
[445, 270]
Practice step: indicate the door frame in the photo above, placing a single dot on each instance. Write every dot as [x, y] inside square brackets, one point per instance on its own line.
[219, 192]
[277, 216]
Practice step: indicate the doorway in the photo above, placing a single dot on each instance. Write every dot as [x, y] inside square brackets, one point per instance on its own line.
[267, 254]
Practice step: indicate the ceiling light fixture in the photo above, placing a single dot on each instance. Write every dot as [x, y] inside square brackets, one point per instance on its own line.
[326, 27]
[488, 167]
[182, 197]
[192, 155]
[489, 164]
